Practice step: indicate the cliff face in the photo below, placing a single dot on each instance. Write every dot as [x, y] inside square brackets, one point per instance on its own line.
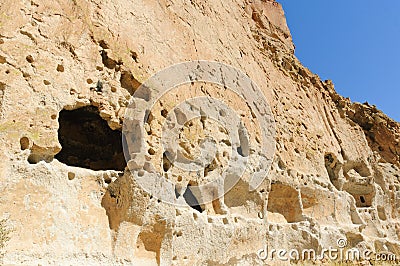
[68, 70]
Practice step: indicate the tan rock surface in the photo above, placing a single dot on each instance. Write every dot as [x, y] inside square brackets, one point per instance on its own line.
[335, 174]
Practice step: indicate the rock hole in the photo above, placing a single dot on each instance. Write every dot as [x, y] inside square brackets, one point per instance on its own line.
[24, 142]
[29, 58]
[134, 56]
[103, 44]
[244, 148]
[46, 82]
[333, 167]
[149, 117]
[60, 68]
[226, 142]
[108, 62]
[32, 160]
[362, 199]
[203, 121]
[151, 151]
[107, 178]
[35, 158]
[177, 194]
[191, 199]
[281, 164]
[99, 86]
[129, 82]
[164, 113]
[217, 206]
[166, 163]
[87, 141]
[211, 167]
[2, 59]
[71, 175]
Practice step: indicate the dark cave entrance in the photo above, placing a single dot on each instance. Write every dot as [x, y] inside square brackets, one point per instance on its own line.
[87, 141]
[191, 199]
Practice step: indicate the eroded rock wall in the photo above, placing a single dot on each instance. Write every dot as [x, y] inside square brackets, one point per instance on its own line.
[335, 173]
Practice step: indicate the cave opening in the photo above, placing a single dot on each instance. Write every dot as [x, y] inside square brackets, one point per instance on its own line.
[191, 199]
[87, 141]
[362, 199]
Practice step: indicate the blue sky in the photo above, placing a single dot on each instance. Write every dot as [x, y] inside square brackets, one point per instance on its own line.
[355, 43]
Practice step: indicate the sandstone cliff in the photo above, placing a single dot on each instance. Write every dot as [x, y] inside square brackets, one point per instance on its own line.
[68, 69]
